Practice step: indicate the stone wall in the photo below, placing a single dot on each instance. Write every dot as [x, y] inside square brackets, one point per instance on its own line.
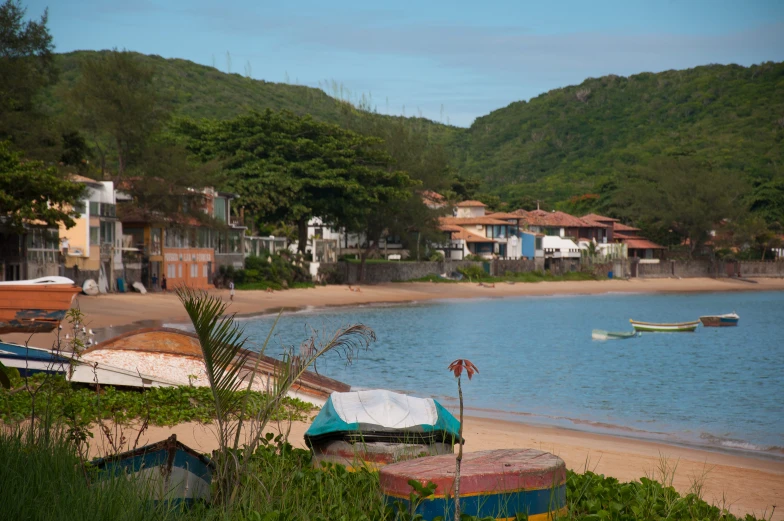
[378, 273]
[762, 269]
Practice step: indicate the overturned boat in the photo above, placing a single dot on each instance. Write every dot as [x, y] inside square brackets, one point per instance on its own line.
[169, 470]
[36, 305]
[371, 429]
[175, 355]
[33, 360]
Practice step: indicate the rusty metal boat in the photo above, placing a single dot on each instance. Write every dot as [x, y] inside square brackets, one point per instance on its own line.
[174, 355]
[35, 306]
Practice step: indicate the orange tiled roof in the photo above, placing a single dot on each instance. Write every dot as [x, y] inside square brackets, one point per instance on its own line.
[449, 228]
[76, 178]
[619, 227]
[464, 221]
[469, 237]
[599, 218]
[543, 218]
[504, 215]
[642, 244]
[471, 204]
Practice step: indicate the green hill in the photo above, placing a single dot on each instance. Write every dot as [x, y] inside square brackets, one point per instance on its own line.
[560, 144]
[566, 141]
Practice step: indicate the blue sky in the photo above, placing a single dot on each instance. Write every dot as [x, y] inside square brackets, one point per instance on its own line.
[468, 57]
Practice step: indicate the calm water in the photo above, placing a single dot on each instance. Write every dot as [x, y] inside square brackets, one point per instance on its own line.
[722, 387]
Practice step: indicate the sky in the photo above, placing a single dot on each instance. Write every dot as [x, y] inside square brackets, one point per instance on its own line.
[448, 61]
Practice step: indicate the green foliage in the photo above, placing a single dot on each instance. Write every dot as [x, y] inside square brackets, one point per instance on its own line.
[472, 272]
[570, 141]
[158, 405]
[29, 191]
[684, 195]
[291, 168]
[26, 68]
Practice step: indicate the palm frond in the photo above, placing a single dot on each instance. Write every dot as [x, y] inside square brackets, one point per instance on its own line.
[221, 340]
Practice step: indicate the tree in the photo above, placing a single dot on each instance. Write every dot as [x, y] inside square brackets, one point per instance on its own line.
[290, 168]
[29, 191]
[117, 105]
[26, 68]
[684, 195]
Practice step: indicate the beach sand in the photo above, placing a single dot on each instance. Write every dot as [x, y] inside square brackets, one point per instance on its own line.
[743, 484]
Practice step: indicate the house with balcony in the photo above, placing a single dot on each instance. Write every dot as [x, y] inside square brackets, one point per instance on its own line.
[472, 232]
[30, 252]
[92, 249]
[638, 247]
[186, 248]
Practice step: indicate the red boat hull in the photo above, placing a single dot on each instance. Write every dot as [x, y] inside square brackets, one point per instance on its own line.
[34, 309]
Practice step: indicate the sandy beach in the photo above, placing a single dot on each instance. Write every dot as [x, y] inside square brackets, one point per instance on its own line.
[740, 483]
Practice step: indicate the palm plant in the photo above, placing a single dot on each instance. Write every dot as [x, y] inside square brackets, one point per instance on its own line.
[227, 366]
[457, 368]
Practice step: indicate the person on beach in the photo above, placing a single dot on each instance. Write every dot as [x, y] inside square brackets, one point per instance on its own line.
[231, 290]
[163, 284]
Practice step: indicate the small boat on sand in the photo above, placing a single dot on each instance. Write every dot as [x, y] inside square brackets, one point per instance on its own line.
[675, 327]
[727, 320]
[374, 428]
[601, 334]
[35, 306]
[174, 472]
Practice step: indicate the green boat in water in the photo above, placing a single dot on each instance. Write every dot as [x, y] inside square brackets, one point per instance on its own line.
[601, 334]
[676, 327]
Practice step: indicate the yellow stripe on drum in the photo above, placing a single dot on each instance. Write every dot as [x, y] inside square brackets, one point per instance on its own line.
[483, 493]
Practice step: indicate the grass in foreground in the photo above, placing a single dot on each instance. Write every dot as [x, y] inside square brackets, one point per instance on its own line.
[42, 479]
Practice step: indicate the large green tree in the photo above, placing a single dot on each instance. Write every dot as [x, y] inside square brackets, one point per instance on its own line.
[684, 195]
[27, 67]
[291, 168]
[32, 192]
[116, 104]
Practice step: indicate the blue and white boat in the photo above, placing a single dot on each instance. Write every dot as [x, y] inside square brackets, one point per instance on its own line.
[31, 360]
[170, 470]
[727, 320]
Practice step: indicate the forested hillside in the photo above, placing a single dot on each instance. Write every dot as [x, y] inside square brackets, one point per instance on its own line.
[567, 141]
[564, 143]
[199, 91]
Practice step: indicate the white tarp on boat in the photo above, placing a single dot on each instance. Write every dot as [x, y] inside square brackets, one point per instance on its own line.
[42, 281]
[384, 408]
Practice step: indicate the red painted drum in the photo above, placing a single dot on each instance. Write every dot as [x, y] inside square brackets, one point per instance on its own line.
[493, 483]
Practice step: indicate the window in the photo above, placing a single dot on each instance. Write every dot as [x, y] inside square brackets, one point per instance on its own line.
[538, 243]
[194, 270]
[219, 209]
[170, 271]
[107, 232]
[80, 207]
[95, 208]
[95, 235]
[179, 271]
[205, 271]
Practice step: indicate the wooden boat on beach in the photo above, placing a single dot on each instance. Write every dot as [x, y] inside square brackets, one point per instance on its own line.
[601, 334]
[727, 320]
[32, 360]
[675, 327]
[175, 355]
[35, 306]
[170, 470]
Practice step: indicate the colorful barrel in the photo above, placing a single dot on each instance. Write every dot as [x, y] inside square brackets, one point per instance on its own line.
[494, 483]
[373, 455]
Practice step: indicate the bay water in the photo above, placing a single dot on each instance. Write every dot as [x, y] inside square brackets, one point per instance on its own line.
[717, 388]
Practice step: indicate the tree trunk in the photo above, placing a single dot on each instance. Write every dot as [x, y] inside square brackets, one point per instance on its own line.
[302, 234]
[459, 458]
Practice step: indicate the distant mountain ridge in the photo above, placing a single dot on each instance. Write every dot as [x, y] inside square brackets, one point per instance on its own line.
[560, 144]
